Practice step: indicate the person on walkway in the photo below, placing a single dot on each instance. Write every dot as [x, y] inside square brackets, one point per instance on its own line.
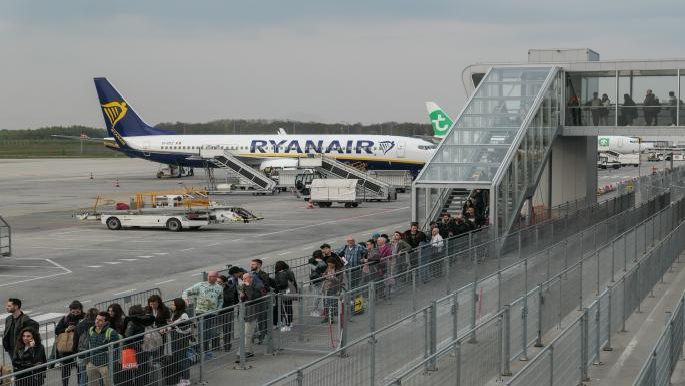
[116, 318]
[595, 105]
[81, 343]
[286, 287]
[67, 326]
[628, 110]
[28, 353]
[134, 329]
[652, 108]
[180, 327]
[14, 323]
[249, 294]
[99, 336]
[209, 296]
[226, 315]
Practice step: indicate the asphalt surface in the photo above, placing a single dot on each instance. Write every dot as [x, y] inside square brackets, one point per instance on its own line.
[57, 258]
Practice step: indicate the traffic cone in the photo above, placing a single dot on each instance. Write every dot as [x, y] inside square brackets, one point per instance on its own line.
[310, 205]
[116, 185]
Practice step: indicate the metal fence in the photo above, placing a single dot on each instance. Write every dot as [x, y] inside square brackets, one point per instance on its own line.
[126, 301]
[5, 238]
[659, 367]
[485, 343]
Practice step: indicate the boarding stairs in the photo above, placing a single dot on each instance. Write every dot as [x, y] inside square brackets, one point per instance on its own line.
[370, 188]
[501, 142]
[247, 175]
[5, 238]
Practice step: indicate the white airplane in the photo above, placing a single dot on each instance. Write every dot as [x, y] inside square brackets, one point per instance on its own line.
[129, 134]
[441, 123]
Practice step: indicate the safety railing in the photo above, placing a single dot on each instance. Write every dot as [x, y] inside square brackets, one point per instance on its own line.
[659, 367]
[126, 301]
[484, 349]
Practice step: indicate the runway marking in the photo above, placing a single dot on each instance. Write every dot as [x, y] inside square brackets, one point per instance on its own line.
[112, 262]
[94, 266]
[284, 253]
[26, 266]
[145, 256]
[129, 259]
[306, 248]
[211, 245]
[236, 239]
[92, 249]
[86, 301]
[197, 274]
[160, 253]
[165, 281]
[186, 250]
[125, 292]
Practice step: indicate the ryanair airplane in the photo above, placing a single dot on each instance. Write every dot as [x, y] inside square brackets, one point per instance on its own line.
[129, 134]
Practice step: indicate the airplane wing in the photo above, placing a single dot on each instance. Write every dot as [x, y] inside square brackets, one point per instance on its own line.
[88, 139]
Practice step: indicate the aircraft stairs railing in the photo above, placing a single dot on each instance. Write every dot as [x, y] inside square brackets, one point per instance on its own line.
[245, 173]
[5, 238]
[372, 189]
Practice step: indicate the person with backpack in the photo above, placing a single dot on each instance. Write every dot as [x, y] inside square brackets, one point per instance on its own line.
[181, 328]
[286, 286]
[135, 326]
[14, 323]
[99, 336]
[81, 343]
[226, 315]
[29, 353]
[64, 333]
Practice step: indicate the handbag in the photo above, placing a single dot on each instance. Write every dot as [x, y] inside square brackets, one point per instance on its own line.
[152, 340]
[128, 359]
[65, 342]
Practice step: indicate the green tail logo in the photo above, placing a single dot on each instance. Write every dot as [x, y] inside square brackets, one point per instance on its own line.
[440, 121]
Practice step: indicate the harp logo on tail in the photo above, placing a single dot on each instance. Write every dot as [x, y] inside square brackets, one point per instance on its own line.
[115, 112]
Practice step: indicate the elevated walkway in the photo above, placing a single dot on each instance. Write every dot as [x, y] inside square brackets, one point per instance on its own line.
[500, 142]
[248, 175]
[369, 187]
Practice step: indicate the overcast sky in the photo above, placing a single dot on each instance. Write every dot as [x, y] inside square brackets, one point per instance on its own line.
[330, 61]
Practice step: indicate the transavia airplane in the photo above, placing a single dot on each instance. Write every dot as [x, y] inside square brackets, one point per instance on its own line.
[129, 134]
[441, 123]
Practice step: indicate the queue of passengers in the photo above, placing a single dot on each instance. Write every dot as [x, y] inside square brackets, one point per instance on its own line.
[162, 341]
[600, 106]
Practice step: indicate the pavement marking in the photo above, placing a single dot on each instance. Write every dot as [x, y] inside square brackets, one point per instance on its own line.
[284, 253]
[92, 249]
[187, 249]
[236, 239]
[26, 266]
[197, 274]
[66, 271]
[125, 292]
[20, 275]
[160, 253]
[86, 301]
[129, 259]
[94, 266]
[145, 256]
[112, 262]
[165, 281]
[211, 245]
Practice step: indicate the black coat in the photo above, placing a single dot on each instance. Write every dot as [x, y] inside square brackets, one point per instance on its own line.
[163, 316]
[25, 359]
[11, 335]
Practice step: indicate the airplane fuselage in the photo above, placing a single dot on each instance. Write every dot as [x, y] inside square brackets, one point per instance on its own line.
[378, 152]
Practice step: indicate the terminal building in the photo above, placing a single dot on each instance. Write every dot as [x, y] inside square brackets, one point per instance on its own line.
[527, 135]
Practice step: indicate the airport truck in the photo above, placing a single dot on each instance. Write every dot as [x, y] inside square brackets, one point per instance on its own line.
[174, 211]
[611, 159]
[326, 191]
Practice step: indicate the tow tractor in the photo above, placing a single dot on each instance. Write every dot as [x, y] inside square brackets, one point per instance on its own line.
[174, 171]
[173, 210]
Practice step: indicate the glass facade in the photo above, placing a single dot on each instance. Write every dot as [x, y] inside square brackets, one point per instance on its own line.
[520, 178]
[623, 98]
[480, 138]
